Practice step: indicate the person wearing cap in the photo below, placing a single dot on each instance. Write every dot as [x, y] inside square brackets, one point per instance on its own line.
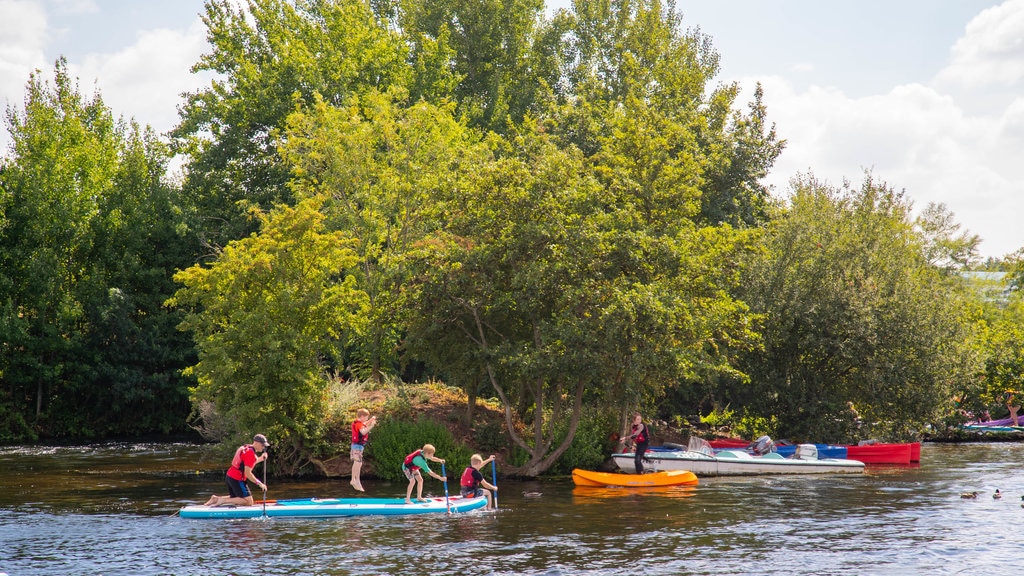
[246, 458]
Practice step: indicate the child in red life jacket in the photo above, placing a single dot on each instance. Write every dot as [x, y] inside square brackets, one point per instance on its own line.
[411, 467]
[360, 434]
[472, 480]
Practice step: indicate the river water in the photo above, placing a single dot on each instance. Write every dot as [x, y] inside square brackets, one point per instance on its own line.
[110, 510]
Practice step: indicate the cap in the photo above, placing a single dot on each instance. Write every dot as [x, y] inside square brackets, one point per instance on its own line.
[261, 439]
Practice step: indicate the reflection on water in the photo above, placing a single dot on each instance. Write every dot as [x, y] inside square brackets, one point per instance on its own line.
[110, 509]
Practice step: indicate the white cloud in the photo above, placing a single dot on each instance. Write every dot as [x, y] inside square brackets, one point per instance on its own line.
[914, 138]
[992, 50]
[23, 35]
[145, 80]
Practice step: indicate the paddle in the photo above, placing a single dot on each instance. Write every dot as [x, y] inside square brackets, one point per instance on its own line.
[494, 480]
[447, 504]
[265, 486]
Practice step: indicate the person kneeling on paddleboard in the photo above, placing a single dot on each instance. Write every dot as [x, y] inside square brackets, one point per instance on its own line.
[246, 458]
[472, 480]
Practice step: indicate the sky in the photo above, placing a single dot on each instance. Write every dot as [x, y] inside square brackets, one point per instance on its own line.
[927, 95]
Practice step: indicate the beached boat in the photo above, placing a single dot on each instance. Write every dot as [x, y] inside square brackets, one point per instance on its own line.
[904, 453]
[1001, 425]
[702, 460]
[665, 478]
[334, 507]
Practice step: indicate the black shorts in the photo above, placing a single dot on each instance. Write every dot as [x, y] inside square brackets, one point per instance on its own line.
[236, 488]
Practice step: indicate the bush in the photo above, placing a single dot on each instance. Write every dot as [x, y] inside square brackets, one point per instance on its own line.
[393, 440]
[590, 445]
[491, 438]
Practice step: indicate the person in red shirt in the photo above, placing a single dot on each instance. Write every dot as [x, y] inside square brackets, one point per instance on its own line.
[360, 434]
[246, 458]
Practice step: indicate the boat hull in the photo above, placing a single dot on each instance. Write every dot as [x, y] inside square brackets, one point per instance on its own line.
[904, 453]
[333, 508]
[664, 478]
[739, 463]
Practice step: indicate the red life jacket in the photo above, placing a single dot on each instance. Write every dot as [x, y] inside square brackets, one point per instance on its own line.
[237, 463]
[467, 478]
[642, 436]
[357, 436]
[410, 458]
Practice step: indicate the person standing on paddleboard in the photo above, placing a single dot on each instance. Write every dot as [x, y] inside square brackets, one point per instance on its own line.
[641, 439]
[246, 458]
[360, 434]
[411, 468]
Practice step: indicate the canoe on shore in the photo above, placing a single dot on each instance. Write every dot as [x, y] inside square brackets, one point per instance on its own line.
[666, 478]
[333, 508]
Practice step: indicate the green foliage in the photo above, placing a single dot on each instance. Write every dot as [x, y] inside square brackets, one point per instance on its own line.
[393, 440]
[264, 317]
[88, 244]
[591, 444]
[267, 54]
[490, 437]
[853, 313]
[752, 426]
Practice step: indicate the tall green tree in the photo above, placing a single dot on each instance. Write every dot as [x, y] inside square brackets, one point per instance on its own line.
[854, 313]
[269, 317]
[565, 296]
[383, 168]
[497, 50]
[86, 349]
[633, 60]
[266, 55]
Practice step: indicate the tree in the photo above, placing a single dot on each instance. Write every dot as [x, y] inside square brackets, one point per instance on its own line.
[633, 61]
[383, 168]
[267, 317]
[945, 246]
[267, 56]
[496, 49]
[85, 341]
[561, 294]
[853, 314]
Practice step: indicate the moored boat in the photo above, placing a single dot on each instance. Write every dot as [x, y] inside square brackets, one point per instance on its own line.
[664, 478]
[334, 507]
[702, 460]
[900, 453]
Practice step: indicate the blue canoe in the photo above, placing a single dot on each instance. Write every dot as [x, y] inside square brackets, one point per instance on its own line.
[334, 508]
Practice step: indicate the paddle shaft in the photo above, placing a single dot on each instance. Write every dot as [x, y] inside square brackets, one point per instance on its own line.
[494, 480]
[264, 487]
[447, 504]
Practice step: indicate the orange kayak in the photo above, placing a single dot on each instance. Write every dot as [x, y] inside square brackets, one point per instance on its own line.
[665, 478]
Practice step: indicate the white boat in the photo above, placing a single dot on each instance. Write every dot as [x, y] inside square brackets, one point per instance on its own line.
[698, 457]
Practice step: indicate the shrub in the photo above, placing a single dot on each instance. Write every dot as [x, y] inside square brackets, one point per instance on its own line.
[589, 446]
[491, 437]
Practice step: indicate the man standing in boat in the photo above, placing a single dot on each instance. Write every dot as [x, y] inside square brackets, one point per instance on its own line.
[641, 439]
[246, 458]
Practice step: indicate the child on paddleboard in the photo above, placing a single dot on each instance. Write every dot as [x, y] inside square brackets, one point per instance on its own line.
[360, 434]
[472, 480]
[413, 464]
